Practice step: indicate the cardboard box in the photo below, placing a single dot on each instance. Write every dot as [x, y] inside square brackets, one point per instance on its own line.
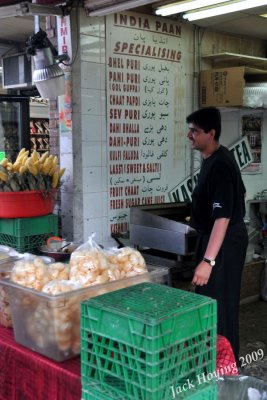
[225, 86]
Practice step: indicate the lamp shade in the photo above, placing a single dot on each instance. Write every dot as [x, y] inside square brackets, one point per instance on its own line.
[48, 77]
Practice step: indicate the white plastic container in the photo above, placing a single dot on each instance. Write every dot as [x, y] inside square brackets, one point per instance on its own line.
[5, 312]
[50, 325]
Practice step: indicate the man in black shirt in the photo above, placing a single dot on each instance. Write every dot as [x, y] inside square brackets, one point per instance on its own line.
[218, 209]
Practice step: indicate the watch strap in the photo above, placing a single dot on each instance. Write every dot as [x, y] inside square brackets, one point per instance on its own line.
[210, 262]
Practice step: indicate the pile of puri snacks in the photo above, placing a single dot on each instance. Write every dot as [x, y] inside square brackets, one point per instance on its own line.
[89, 266]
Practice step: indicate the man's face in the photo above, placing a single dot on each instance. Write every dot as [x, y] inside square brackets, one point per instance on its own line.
[199, 138]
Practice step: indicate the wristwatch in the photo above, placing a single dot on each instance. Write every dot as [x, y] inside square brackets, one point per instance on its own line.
[210, 262]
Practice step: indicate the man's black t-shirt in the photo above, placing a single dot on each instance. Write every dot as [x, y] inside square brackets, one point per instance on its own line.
[219, 192]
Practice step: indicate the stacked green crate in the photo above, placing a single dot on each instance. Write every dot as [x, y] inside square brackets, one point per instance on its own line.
[148, 342]
[27, 234]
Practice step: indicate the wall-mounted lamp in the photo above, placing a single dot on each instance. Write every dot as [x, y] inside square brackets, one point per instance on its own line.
[48, 77]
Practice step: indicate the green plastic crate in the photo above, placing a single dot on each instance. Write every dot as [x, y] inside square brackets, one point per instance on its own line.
[27, 234]
[147, 338]
[94, 391]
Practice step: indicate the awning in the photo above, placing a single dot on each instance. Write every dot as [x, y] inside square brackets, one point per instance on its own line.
[11, 8]
[47, 2]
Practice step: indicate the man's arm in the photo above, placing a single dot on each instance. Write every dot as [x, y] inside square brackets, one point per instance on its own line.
[203, 270]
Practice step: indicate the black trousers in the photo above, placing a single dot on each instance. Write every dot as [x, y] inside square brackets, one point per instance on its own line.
[225, 280]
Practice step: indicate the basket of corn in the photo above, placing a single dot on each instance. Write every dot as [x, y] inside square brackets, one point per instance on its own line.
[28, 186]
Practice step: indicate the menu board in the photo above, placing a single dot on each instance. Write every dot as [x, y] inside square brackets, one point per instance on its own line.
[145, 112]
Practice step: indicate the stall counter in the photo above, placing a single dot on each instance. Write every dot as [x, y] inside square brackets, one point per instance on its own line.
[25, 374]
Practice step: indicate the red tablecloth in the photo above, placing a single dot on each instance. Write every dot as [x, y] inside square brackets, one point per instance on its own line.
[26, 375]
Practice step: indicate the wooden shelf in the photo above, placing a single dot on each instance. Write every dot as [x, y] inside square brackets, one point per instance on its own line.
[233, 59]
[39, 134]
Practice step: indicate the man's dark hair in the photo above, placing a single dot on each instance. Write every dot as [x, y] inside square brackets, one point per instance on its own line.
[207, 119]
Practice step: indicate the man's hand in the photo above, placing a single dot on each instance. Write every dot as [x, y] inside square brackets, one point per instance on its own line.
[202, 274]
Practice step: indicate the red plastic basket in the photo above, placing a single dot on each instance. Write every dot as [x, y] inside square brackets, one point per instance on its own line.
[26, 204]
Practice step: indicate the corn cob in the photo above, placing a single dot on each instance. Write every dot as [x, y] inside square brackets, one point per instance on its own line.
[37, 165]
[35, 156]
[53, 170]
[55, 179]
[16, 166]
[61, 172]
[3, 176]
[44, 157]
[31, 168]
[22, 169]
[9, 166]
[47, 165]
[55, 160]
[4, 162]
[23, 159]
[22, 156]
[22, 151]
[13, 183]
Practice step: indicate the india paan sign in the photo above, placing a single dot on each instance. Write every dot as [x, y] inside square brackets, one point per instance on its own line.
[183, 191]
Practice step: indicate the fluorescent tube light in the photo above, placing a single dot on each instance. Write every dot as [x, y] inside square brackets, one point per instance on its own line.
[224, 9]
[183, 6]
[124, 6]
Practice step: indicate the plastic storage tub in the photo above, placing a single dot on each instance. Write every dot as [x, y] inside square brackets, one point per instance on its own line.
[5, 313]
[241, 388]
[50, 325]
[6, 266]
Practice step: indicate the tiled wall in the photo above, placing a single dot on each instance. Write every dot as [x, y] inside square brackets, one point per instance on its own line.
[90, 197]
[90, 144]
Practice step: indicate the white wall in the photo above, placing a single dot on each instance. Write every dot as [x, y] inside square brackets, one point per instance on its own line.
[89, 132]
[90, 197]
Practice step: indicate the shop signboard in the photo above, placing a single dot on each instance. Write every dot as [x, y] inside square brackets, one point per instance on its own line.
[243, 156]
[146, 114]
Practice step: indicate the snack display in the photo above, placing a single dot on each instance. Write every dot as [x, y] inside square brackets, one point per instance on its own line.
[6, 265]
[30, 172]
[50, 323]
[45, 296]
[5, 313]
[60, 324]
[59, 271]
[32, 273]
[90, 265]
[60, 286]
[125, 262]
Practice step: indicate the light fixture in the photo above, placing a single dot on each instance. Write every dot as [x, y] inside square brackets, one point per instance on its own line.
[48, 77]
[233, 6]
[182, 6]
[26, 8]
[123, 6]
